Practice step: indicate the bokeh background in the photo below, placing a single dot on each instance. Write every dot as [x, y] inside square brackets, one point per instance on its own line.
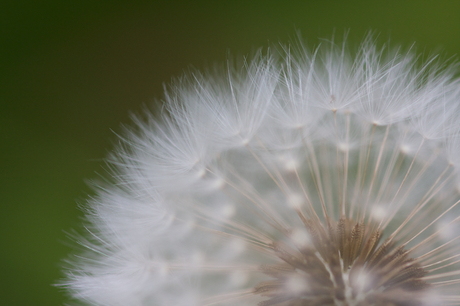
[71, 72]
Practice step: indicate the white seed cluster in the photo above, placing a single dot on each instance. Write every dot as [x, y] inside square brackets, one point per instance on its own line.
[344, 264]
[323, 177]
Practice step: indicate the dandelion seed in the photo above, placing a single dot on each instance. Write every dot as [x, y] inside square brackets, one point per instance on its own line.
[310, 178]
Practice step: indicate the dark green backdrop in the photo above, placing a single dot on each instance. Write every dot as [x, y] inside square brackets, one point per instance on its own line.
[71, 71]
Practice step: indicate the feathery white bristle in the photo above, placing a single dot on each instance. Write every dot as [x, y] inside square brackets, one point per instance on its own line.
[227, 180]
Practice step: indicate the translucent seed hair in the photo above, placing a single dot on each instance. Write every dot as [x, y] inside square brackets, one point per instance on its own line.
[303, 177]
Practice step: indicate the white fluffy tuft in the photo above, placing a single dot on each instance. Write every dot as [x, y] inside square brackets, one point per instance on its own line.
[199, 195]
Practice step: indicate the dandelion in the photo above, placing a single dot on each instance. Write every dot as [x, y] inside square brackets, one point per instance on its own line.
[306, 178]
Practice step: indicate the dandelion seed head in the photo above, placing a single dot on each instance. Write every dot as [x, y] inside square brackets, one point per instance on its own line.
[322, 177]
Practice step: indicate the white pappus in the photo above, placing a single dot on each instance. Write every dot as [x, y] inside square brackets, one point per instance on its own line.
[323, 177]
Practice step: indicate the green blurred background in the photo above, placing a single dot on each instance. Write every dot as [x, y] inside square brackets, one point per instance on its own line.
[72, 71]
